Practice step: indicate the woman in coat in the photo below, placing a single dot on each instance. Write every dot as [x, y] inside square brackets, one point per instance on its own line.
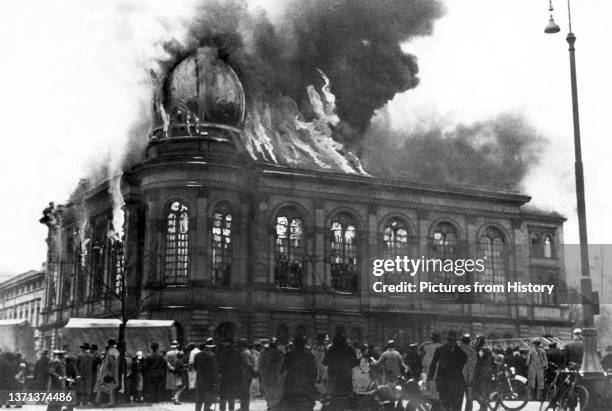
[536, 363]
[108, 376]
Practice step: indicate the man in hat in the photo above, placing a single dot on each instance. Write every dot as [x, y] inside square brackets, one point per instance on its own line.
[155, 371]
[57, 377]
[207, 375]
[108, 377]
[319, 350]
[468, 369]
[574, 349]
[447, 368]
[247, 372]
[171, 375]
[41, 371]
[97, 361]
[270, 377]
[391, 363]
[85, 377]
[537, 363]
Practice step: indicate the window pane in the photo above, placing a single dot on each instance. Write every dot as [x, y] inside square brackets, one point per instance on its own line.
[176, 257]
[221, 247]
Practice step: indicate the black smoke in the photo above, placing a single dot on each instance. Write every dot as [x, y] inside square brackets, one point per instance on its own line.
[357, 43]
[496, 153]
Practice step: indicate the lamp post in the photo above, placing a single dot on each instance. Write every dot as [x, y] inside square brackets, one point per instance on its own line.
[590, 362]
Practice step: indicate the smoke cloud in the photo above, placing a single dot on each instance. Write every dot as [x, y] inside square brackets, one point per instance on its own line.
[496, 153]
[356, 43]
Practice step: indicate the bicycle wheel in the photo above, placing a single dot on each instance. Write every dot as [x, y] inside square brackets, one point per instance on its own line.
[516, 398]
[552, 400]
[576, 398]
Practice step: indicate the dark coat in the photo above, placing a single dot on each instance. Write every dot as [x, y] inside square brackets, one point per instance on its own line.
[57, 373]
[301, 368]
[41, 373]
[155, 367]
[340, 360]
[230, 368]
[84, 369]
[555, 355]
[573, 352]
[207, 374]
[447, 365]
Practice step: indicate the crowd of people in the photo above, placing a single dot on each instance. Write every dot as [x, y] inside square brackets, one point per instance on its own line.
[287, 374]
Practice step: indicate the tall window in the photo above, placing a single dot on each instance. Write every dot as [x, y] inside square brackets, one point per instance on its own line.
[395, 244]
[222, 245]
[97, 260]
[343, 253]
[176, 254]
[492, 251]
[536, 250]
[288, 250]
[117, 266]
[443, 245]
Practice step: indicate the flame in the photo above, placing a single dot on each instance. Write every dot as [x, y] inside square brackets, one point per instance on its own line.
[116, 232]
[276, 132]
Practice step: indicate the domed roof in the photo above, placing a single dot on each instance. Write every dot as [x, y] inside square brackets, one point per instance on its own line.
[202, 88]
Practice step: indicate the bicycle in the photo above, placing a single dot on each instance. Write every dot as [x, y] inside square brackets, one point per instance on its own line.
[506, 390]
[564, 394]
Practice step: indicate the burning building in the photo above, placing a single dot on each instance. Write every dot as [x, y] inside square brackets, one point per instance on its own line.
[220, 238]
[246, 218]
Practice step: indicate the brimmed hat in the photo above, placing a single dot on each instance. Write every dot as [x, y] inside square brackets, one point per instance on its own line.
[112, 341]
[58, 352]
[577, 331]
[94, 346]
[84, 346]
[210, 343]
[174, 344]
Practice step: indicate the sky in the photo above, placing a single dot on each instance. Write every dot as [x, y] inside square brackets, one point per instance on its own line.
[74, 78]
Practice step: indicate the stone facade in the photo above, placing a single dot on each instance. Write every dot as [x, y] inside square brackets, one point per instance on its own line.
[228, 245]
[21, 297]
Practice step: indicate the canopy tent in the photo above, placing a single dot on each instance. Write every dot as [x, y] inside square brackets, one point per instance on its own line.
[17, 336]
[139, 334]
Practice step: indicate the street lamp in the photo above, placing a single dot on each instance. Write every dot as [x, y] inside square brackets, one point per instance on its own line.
[590, 362]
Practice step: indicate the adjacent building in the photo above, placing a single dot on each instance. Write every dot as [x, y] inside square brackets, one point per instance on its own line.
[232, 246]
[22, 297]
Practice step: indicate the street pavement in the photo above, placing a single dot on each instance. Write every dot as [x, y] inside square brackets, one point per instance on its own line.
[256, 405]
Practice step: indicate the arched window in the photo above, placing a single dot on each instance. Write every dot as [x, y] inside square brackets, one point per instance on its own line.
[443, 245]
[395, 244]
[176, 257]
[343, 253]
[548, 250]
[492, 250]
[221, 245]
[288, 249]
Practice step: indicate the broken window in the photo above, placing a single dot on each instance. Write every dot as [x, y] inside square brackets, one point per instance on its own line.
[443, 245]
[492, 250]
[343, 254]
[288, 250]
[176, 256]
[222, 245]
[395, 244]
[117, 266]
[536, 250]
